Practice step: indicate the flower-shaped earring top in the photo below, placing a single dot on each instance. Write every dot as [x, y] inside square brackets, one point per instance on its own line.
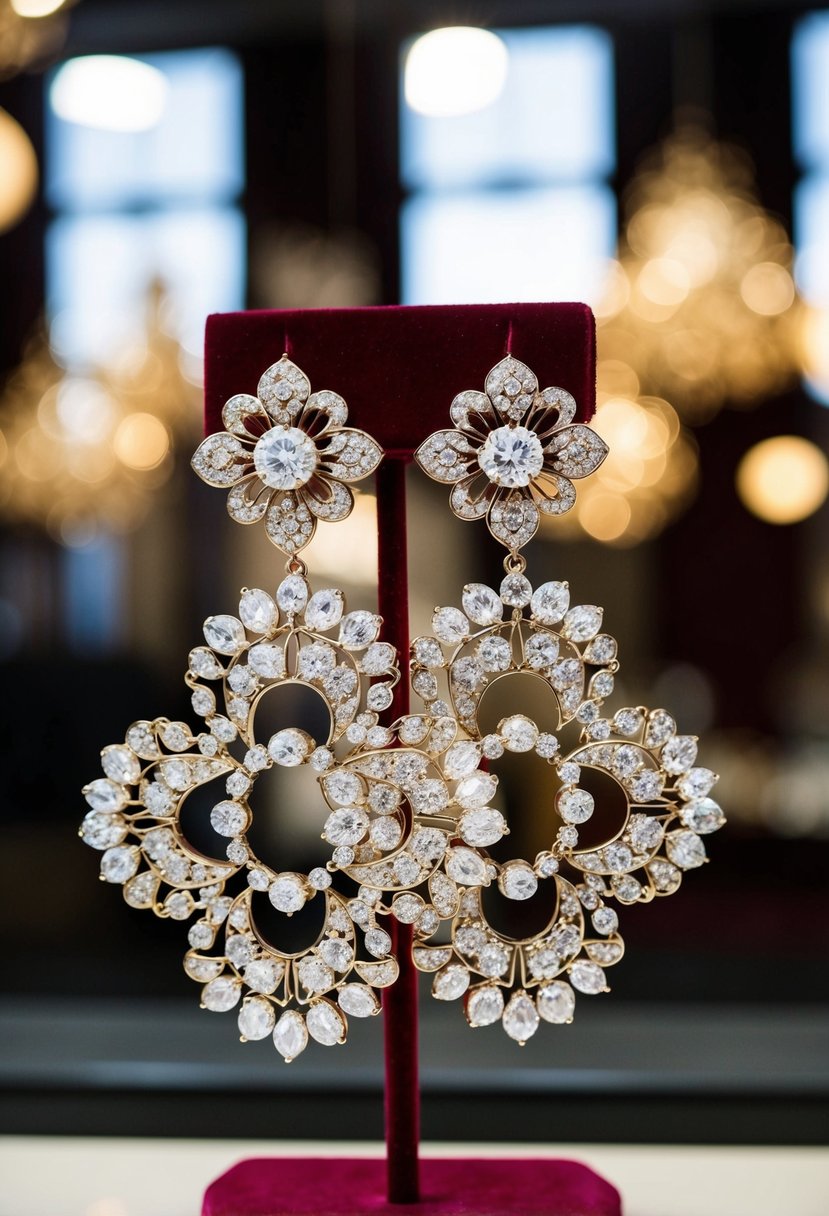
[512, 453]
[286, 456]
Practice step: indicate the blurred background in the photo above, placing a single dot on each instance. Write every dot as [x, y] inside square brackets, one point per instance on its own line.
[669, 164]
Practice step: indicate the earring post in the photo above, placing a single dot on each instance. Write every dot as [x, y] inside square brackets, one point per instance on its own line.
[400, 1012]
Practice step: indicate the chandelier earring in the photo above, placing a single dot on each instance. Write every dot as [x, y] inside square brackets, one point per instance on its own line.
[510, 458]
[286, 457]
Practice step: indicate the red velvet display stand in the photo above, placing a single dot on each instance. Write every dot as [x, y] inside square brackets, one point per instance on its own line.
[398, 369]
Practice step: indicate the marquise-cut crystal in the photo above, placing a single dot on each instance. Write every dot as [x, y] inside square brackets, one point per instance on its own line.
[221, 994]
[466, 867]
[256, 1018]
[285, 458]
[450, 983]
[325, 608]
[484, 1005]
[511, 456]
[292, 594]
[556, 1002]
[358, 629]
[223, 633]
[482, 827]
[588, 977]
[326, 1025]
[481, 604]
[550, 602]
[450, 625]
[257, 610]
[290, 1035]
[702, 815]
[475, 790]
[685, 849]
[520, 1018]
[358, 1001]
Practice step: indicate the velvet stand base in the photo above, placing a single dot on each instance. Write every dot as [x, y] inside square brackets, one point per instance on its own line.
[308, 1186]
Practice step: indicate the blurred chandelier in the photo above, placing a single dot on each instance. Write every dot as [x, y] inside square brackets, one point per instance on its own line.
[84, 453]
[701, 302]
[30, 31]
[699, 311]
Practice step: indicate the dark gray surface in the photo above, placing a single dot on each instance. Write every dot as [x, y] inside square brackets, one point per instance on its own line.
[710, 1074]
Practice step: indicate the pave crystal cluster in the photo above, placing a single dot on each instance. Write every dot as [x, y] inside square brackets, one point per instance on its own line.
[137, 816]
[287, 457]
[512, 454]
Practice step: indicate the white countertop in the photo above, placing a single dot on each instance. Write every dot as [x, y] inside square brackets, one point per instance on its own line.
[63, 1176]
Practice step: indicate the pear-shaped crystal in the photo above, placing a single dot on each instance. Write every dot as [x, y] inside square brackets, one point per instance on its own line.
[290, 1035]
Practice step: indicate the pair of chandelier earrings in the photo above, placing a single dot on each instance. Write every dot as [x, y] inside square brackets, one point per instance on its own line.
[410, 816]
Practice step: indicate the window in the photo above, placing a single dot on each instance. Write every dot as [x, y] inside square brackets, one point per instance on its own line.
[512, 202]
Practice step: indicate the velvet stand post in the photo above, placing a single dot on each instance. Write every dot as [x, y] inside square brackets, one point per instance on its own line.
[398, 369]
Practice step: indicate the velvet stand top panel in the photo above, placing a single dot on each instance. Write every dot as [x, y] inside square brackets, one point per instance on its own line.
[399, 368]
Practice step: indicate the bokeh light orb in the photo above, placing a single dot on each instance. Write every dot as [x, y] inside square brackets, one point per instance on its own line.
[455, 70]
[18, 172]
[783, 480]
[109, 92]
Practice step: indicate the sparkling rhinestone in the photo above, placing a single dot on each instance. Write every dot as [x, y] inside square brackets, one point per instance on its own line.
[575, 806]
[582, 623]
[476, 790]
[492, 747]
[238, 949]
[221, 994]
[493, 960]
[541, 651]
[226, 634]
[290, 1035]
[685, 849]
[519, 733]
[314, 974]
[511, 456]
[566, 674]
[325, 609]
[450, 983]
[407, 908]
[346, 827]
[316, 661]
[292, 594]
[679, 754]
[358, 1001]
[481, 604]
[119, 863]
[256, 1018]
[493, 653]
[257, 611]
[285, 458]
[588, 977]
[482, 827]
[703, 815]
[550, 602]
[344, 787]
[289, 747]
[267, 659]
[378, 943]
[466, 867]
[628, 721]
[103, 831]
[325, 1023]
[200, 936]
[617, 857]
[319, 878]
[556, 1002]
[605, 920]
[485, 1005]
[263, 974]
[516, 590]
[696, 783]
[121, 765]
[569, 772]
[520, 1019]
[105, 795]
[358, 629]
[647, 785]
[547, 746]
[645, 832]
[450, 625]
[517, 881]
[287, 893]
[546, 864]
[568, 837]
[228, 818]
[320, 759]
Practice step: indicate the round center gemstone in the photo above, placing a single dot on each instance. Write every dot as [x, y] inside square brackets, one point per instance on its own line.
[285, 458]
[512, 456]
